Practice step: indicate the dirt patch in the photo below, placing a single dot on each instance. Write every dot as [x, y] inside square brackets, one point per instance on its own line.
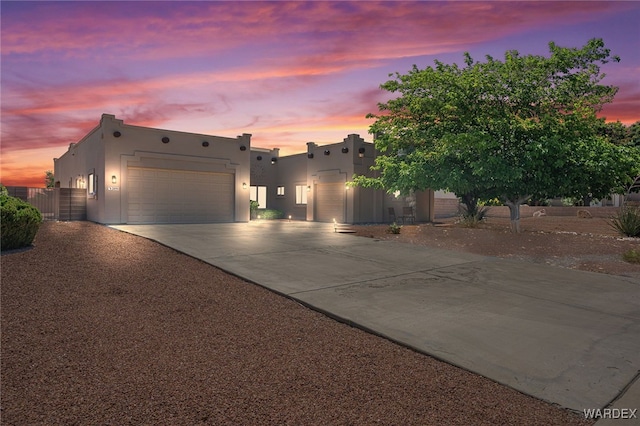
[570, 242]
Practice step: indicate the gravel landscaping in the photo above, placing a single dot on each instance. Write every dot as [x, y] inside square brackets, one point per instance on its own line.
[570, 242]
[102, 327]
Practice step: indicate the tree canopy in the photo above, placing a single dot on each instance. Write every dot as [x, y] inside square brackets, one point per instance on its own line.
[49, 179]
[512, 129]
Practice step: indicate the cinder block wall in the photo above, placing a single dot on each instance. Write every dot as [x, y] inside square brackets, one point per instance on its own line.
[527, 211]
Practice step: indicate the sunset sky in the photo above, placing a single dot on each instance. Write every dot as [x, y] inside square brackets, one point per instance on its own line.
[286, 72]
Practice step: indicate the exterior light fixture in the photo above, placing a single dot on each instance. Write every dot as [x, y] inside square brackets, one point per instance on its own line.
[259, 158]
[205, 144]
[308, 188]
[117, 134]
[274, 160]
[345, 150]
[327, 152]
[289, 218]
[244, 185]
[310, 155]
[346, 186]
[361, 152]
[165, 140]
[114, 180]
[243, 148]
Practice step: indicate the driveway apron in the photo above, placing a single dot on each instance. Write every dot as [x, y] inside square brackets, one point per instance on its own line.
[563, 336]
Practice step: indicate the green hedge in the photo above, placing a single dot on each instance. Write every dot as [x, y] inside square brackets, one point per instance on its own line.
[270, 214]
[20, 222]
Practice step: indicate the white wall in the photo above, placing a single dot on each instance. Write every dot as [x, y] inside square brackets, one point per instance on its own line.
[114, 146]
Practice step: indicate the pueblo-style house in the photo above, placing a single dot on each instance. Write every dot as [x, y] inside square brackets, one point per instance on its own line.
[140, 175]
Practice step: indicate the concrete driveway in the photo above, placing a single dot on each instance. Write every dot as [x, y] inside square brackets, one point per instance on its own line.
[567, 337]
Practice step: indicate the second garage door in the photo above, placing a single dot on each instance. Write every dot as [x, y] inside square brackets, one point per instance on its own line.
[329, 202]
[179, 196]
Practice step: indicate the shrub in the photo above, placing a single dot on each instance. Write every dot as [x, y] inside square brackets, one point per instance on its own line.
[472, 217]
[631, 256]
[270, 214]
[20, 222]
[627, 221]
[253, 208]
[394, 228]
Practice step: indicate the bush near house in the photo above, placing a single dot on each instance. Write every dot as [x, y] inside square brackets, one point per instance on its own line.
[253, 208]
[270, 214]
[20, 222]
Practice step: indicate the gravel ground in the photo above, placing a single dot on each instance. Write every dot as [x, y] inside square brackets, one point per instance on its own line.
[102, 327]
[564, 241]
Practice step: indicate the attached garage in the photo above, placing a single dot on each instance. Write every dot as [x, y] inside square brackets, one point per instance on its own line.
[330, 202]
[179, 196]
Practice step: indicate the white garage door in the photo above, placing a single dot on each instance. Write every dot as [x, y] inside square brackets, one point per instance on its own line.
[329, 202]
[179, 196]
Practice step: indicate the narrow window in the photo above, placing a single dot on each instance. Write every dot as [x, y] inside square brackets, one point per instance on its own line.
[259, 194]
[301, 194]
[91, 184]
[280, 191]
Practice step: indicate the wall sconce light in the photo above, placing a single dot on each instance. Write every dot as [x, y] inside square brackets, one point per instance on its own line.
[274, 160]
[346, 186]
[117, 134]
[114, 180]
[361, 152]
[327, 152]
[345, 150]
[244, 185]
[259, 158]
[310, 155]
[308, 188]
[243, 148]
[205, 144]
[165, 140]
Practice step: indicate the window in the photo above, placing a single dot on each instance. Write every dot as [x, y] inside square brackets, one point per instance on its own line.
[280, 191]
[301, 194]
[259, 194]
[92, 184]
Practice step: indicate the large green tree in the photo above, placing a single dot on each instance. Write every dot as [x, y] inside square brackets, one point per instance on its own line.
[522, 127]
[620, 134]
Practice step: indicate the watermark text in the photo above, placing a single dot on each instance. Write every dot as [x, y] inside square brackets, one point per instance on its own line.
[610, 413]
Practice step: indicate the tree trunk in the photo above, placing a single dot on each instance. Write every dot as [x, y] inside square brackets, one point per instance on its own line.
[470, 202]
[514, 213]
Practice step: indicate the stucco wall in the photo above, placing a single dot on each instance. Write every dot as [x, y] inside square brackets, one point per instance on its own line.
[82, 159]
[337, 163]
[291, 171]
[113, 146]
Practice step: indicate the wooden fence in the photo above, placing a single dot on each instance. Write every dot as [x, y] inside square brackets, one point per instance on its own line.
[54, 203]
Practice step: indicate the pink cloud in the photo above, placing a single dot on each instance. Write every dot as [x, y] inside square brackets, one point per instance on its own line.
[223, 61]
[155, 30]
